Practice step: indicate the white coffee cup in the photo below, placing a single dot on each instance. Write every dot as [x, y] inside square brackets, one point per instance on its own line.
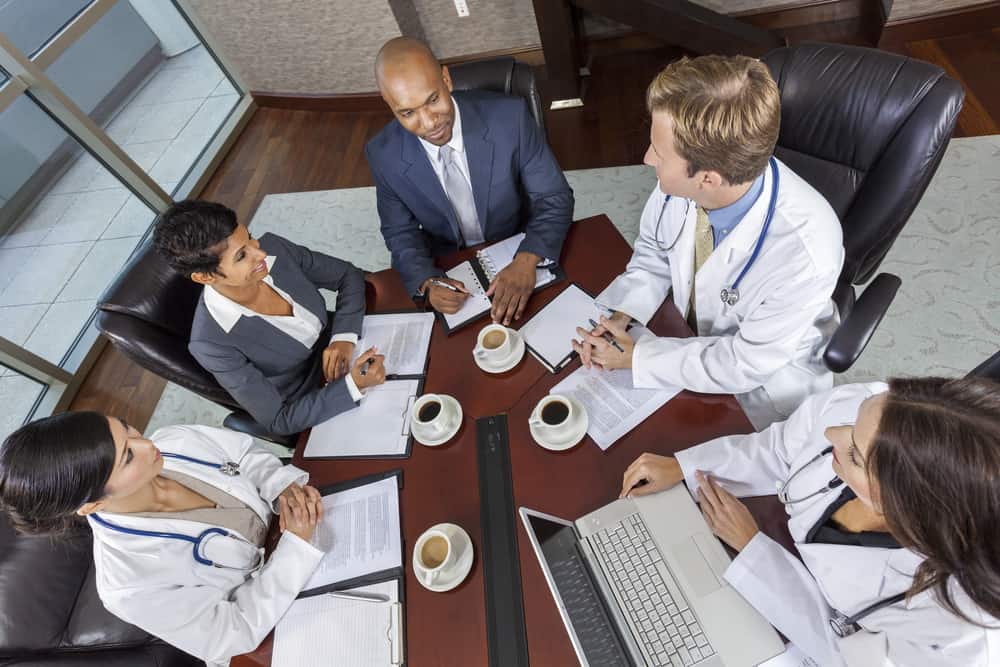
[434, 555]
[432, 417]
[552, 416]
[493, 343]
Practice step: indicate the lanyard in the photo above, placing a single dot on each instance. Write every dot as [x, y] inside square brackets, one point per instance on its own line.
[231, 468]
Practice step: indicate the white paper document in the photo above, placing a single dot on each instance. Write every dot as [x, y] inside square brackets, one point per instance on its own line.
[476, 304]
[614, 405]
[324, 630]
[552, 329]
[792, 657]
[379, 426]
[359, 533]
[404, 339]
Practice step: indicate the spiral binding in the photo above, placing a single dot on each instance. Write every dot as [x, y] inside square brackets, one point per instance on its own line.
[489, 268]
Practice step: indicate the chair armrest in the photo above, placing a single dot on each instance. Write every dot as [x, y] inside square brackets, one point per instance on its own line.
[242, 422]
[854, 332]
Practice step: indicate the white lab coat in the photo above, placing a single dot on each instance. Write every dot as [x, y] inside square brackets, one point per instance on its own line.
[156, 584]
[767, 348]
[798, 597]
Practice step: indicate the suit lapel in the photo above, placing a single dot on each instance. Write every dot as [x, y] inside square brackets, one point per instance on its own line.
[479, 153]
[417, 169]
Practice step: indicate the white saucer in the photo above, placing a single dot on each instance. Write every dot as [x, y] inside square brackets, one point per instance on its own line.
[516, 354]
[460, 570]
[574, 434]
[450, 433]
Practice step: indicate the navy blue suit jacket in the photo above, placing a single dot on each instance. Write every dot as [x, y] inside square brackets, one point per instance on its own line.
[516, 182]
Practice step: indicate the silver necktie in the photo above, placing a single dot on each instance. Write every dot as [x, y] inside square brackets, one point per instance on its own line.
[459, 192]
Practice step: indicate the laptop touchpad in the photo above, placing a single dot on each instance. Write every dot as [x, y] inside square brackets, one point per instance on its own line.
[692, 563]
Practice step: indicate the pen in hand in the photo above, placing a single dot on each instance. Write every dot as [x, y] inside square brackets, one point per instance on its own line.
[368, 364]
[607, 336]
[441, 283]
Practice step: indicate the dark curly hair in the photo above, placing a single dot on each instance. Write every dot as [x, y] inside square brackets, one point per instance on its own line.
[188, 235]
[936, 462]
[50, 467]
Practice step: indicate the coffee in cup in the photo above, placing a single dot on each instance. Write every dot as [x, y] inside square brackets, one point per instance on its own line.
[434, 555]
[433, 417]
[552, 415]
[493, 344]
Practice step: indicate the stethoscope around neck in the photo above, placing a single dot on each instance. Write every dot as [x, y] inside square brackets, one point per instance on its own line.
[198, 542]
[730, 296]
[842, 626]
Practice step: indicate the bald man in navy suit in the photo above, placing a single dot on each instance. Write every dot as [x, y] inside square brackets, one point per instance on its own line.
[459, 169]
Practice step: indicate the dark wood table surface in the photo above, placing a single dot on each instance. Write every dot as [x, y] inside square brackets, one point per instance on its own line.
[442, 483]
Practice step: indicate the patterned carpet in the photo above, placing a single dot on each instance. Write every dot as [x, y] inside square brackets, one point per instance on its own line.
[943, 320]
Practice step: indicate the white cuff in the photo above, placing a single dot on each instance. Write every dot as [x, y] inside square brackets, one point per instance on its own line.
[351, 338]
[352, 388]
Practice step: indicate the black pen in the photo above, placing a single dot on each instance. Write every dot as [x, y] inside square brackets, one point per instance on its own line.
[607, 336]
[368, 364]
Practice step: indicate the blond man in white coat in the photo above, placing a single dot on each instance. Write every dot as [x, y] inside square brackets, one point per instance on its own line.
[892, 493]
[726, 215]
[214, 600]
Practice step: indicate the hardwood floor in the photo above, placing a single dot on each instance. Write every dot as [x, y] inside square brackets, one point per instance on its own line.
[294, 151]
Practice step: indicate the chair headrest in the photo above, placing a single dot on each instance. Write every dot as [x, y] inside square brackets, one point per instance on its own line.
[148, 289]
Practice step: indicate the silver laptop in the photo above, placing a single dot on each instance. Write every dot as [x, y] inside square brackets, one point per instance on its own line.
[640, 582]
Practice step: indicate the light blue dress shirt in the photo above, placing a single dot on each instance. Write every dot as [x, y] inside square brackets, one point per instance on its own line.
[724, 219]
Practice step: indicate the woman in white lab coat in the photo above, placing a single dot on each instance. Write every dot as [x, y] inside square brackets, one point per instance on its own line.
[890, 489]
[213, 600]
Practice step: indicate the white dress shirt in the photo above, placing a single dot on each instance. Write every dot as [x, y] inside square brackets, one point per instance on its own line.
[457, 144]
[302, 324]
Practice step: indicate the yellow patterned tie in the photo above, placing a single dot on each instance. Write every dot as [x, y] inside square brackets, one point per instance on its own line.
[704, 243]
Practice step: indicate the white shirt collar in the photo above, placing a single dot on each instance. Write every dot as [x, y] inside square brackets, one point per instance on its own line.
[227, 312]
[456, 141]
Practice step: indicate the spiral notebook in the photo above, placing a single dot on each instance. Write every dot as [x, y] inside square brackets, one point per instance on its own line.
[477, 274]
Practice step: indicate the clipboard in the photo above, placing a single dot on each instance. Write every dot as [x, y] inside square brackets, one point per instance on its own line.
[395, 613]
[482, 274]
[395, 573]
[405, 427]
[561, 363]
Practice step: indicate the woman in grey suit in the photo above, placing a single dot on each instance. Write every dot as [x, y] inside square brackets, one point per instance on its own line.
[261, 325]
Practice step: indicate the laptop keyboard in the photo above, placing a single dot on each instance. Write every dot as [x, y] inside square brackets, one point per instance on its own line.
[663, 623]
[587, 615]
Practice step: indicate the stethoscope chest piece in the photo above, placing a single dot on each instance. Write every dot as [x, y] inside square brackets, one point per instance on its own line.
[729, 296]
[231, 468]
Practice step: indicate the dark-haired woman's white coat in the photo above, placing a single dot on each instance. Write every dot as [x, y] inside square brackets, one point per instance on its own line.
[799, 597]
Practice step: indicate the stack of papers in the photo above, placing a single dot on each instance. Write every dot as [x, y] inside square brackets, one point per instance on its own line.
[359, 533]
[404, 339]
[613, 404]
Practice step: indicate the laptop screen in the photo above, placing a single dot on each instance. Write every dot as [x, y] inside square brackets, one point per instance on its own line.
[583, 603]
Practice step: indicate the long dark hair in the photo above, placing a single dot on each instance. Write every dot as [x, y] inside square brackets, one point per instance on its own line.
[50, 467]
[936, 462]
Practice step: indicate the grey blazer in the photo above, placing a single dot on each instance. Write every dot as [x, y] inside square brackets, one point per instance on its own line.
[273, 376]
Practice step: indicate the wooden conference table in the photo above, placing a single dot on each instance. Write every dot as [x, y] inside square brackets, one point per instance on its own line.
[441, 483]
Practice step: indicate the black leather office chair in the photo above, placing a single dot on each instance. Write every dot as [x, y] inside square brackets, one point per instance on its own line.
[51, 615]
[502, 75]
[147, 313]
[867, 129]
[989, 368]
